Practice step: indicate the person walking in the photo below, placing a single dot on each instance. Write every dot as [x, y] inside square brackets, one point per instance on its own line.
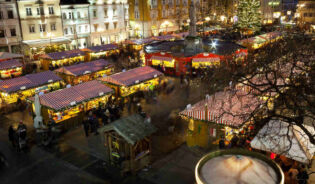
[11, 133]
[222, 143]
[86, 126]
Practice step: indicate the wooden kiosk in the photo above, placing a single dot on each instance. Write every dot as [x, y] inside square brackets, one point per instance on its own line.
[59, 59]
[26, 86]
[68, 106]
[132, 81]
[10, 68]
[128, 142]
[84, 72]
[101, 51]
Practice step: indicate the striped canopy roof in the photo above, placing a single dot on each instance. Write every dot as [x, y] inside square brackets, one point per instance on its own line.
[84, 68]
[102, 48]
[28, 81]
[63, 55]
[162, 58]
[133, 76]
[13, 63]
[231, 108]
[206, 57]
[67, 97]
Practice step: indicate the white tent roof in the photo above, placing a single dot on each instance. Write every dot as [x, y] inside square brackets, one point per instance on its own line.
[288, 140]
[7, 55]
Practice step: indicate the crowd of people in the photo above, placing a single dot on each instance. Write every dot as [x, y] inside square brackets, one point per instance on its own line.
[17, 136]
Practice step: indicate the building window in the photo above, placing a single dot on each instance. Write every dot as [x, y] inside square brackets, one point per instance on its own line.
[95, 27]
[51, 10]
[29, 11]
[53, 26]
[40, 11]
[106, 26]
[163, 2]
[126, 11]
[1, 33]
[64, 15]
[137, 16]
[42, 28]
[86, 28]
[32, 28]
[94, 13]
[79, 15]
[164, 14]
[70, 15]
[13, 32]
[66, 31]
[114, 12]
[115, 25]
[136, 2]
[185, 2]
[10, 14]
[71, 30]
[105, 13]
[154, 3]
[80, 29]
[170, 2]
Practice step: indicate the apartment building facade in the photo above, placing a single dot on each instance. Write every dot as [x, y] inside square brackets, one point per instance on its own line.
[150, 18]
[109, 21]
[306, 15]
[40, 25]
[10, 34]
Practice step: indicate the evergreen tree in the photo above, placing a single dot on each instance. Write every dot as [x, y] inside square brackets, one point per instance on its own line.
[249, 17]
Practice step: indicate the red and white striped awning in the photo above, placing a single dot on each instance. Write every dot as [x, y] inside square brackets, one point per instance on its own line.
[230, 108]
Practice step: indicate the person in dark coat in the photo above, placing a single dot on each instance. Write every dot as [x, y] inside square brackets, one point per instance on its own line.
[86, 127]
[222, 143]
[11, 133]
[234, 141]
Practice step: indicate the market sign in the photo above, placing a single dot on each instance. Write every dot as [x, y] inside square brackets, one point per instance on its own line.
[73, 103]
[23, 87]
[101, 94]
[50, 81]
[137, 81]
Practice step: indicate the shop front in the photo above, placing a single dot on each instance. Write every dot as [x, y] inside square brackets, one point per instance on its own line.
[205, 60]
[10, 69]
[58, 59]
[260, 41]
[84, 72]
[68, 106]
[223, 114]
[134, 80]
[101, 51]
[26, 86]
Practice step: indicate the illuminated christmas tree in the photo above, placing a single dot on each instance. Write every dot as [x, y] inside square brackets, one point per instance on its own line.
[248, 13]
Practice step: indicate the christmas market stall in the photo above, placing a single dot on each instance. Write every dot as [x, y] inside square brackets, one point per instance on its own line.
[84, 72]
[68, 106]
[10, 68]
[101, 51]
[9, 56]
[26, 86]
[137, 45]
[281, 138]
[228, 111]
[134, 80]
[58, 59]
[205, 60]
[259, 41]
[128, 142]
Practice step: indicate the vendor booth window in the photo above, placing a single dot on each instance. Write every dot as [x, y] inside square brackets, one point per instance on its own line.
[105, 13]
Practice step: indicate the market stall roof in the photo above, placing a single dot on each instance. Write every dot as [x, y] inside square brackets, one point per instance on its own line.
[132, 128]
[28, 81]
[141, 41]
[84, 68]
[162, 58]
[206, 57]
[101, 48]
[7, 55]
[222, 47]
[8, 64]
[63, 55]
[133, 76]
[165, 37]
[289, 140]
[260, 38]
[231, 108]
[47, 41]
[74, 95]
